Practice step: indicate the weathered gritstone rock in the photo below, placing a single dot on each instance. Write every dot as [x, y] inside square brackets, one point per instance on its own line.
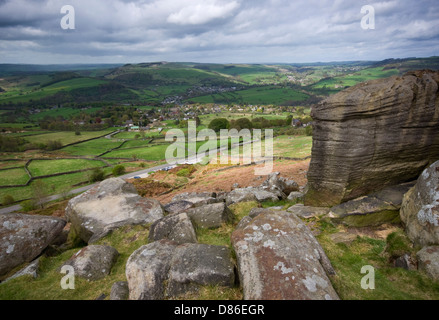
[112, 204]
[428, 260]
[379, 133]
[119, 291]
[307, 212]
[24, 237]
[211, 215]
[197, 199]
[420, 208]
[178, 206]
[195, 265]
[279, 259]
[254, 194]
[93, 262]
[275, 182]
[177, 228]
[147, 270]
[30, 270]
[164, 269]
[373, 210]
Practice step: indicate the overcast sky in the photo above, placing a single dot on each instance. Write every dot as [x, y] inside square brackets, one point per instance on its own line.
[220, 31]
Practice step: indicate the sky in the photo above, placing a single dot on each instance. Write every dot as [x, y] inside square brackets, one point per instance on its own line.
[216, 31]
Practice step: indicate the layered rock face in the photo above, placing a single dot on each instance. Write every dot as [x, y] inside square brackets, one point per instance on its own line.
[376, 134]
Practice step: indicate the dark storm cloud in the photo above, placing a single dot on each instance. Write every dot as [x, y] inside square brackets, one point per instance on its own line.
[216, 30]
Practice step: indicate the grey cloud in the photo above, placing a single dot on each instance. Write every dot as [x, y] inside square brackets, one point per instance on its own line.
[216, 30]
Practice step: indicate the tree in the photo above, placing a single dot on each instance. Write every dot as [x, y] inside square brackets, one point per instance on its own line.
[118, 170]
[97, 175]
[219, 123]
[40, 192]
[242, 123]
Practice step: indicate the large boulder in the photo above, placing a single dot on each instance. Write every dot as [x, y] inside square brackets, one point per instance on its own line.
[177, 227]
[163, 269]
[147, 270]
[420, 208]
[279, 259]
[211, 215]
[375, 134]
[24, 237]
[93, 262]
[112, 204]
[195, 265]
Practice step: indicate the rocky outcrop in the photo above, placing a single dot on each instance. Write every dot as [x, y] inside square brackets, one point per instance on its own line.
[112, 204]
[164, 269]
[24, 237]
[93, 262]
[376, 134]
[279, 259]
[420, 208]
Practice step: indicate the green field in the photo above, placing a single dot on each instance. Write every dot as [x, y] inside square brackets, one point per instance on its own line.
[92, 148]
[67, 137]
[352, 79]
[46, 167]
[13, 177]
[154, 153]
[260, 95]
[36, 94]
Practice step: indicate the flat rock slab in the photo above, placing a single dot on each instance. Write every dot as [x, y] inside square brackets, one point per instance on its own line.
[93, 262]
[279, 259]
[307, 212]
[24, 237]
[428, 260]
[178, 206]
[260, 194]
[164, 269]
[197, 198]
[112, 204]
[177, 228]
[420, 208]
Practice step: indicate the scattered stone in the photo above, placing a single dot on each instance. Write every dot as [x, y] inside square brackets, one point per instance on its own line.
[197, 199]
[406, 262]
[24, 237]
[178, 206]
[279, 259]
[428, 260]
[307, 212]
[30, 270]
[119, 291]
[93, 262]
[420, 208]
[240, 195]
[101, 297]
[343, 237]
[195, 265]
[295, 196]
[211, 215]
[235, 186]
[364, 212]
[147, 270]
[177, 228]
[110, 205]
[275, 182]
[376, 134]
